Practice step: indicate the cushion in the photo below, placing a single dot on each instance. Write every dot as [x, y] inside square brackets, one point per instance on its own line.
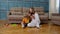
[56, 18]
[40, 10]
[25, 10]
[56, 22]
[43, 17]
[16, 11]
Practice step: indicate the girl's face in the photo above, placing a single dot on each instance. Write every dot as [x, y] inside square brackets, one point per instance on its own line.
[31, 10]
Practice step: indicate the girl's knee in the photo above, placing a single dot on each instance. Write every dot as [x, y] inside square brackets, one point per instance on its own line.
[28, 25]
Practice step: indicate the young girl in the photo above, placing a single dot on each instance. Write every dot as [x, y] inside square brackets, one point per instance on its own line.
[35, 19]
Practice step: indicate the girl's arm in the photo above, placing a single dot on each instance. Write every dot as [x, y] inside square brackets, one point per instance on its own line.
[32, 17]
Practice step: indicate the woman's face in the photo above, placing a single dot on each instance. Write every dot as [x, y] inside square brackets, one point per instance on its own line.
[31, 10]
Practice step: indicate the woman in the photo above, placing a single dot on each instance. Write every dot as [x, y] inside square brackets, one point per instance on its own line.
[35, 19]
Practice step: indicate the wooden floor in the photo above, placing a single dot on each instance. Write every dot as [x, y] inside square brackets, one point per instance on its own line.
[44, 29]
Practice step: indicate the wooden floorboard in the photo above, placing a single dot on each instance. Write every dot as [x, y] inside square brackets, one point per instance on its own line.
[44, 29]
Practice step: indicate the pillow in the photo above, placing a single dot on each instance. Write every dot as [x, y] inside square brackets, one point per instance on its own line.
[40, 12]
[16, 11]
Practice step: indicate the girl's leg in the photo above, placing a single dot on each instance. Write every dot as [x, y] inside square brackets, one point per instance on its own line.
[32, 24]
[37, 25]
[22, 25]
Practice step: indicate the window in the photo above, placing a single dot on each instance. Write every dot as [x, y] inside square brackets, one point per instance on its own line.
[57, 5]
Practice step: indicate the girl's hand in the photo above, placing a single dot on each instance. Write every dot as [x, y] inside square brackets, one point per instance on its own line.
[32, 17]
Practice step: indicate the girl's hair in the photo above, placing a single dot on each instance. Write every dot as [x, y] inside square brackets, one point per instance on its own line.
[32, 11]
[32, 8]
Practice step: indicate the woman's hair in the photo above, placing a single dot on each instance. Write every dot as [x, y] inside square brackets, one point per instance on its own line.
[32, 11]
